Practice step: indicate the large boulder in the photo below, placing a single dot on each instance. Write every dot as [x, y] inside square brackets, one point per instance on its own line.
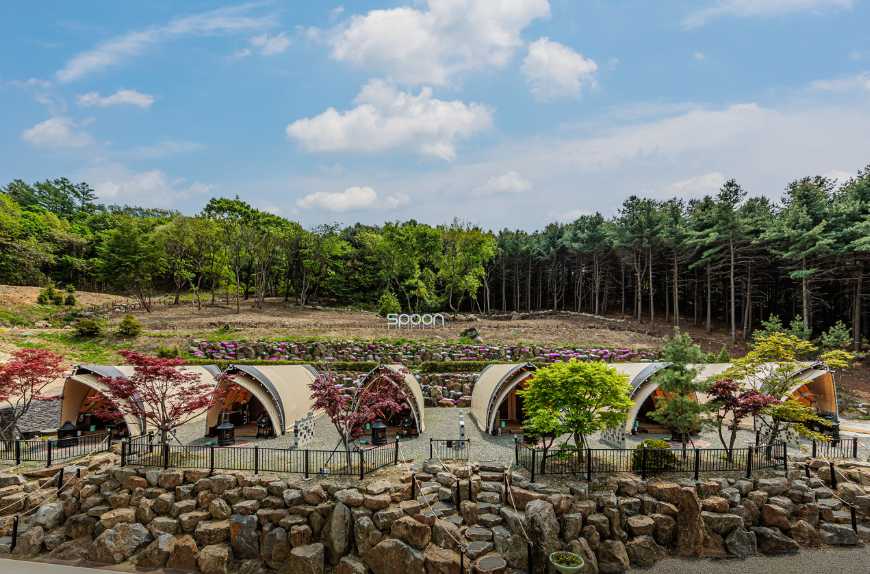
[49, 516]
[117, 544]
[590, 561]
[276, 548]
[243, 536]
[441, 560]
[366, 535]
[644, 552]
[117, 516]
[612, 557]
[412, 532]
[773, 542]
[30, 541]
[721, 524]
[543, 526]
[392, 556]
[805, 534]
[337, 533]
[213, 559]
[838, 535]
[776, 516]
[157, 553]
[741, 543]
[308, 559]
[184, 554]
[212, 532]
[690, 524]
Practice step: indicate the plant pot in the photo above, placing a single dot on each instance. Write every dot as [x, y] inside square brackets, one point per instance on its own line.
[566, 568]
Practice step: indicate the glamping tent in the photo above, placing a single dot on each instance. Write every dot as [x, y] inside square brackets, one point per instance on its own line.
[84, 394]
[412, 389]
[494, 400]
[280, 393]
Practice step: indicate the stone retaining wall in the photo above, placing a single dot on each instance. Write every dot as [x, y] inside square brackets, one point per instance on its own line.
[258, 524]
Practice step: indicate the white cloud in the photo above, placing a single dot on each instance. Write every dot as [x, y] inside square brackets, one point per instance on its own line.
[119, 98]
[57, 133]
[693, 187]
[115, 183]
[554, 70]
[162, 149]
[859, 82]
[119, 49]
[569, 215]
[761, 8]
[351, 199]
[841, 175]
[265, 45]
[386, 118]
[506, 183]
[699, 56]
[431, 45]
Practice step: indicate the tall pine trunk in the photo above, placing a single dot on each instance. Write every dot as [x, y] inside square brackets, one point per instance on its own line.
[709, 301]
[856, 309]
[733, 306]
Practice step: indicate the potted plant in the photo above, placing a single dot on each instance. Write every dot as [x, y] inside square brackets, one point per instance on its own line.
[566, 562]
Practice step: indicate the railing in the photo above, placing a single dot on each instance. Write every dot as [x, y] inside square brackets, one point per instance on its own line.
[53, 450]
[838, 448]
[142, 451]
[645, 462]
[449, 449]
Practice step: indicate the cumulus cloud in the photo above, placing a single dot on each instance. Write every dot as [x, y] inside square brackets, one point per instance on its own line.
[351, 199]
[386, 118]
[432, 44]
[119, 98]
[117, 50]
[115, 183]
[266, 45]
[859, 82]
[760, 8]
[57, 133]
[554, 70]
[509, 182]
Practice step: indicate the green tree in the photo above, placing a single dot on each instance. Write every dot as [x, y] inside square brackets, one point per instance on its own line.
[130, 259]
[679, 408]
[576, 398]
[465, 251]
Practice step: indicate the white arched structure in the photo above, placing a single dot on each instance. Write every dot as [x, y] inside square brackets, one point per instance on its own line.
[493, 386]
[411, 386]
[283, 391]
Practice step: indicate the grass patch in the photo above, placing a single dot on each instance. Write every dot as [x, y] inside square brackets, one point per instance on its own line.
[102, 350]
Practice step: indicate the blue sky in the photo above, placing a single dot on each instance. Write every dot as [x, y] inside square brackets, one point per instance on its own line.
[508, 113]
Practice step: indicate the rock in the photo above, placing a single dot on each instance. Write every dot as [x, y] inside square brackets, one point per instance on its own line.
[80, 525]
[377, 501]
[838, 535]
[590, 561]
[393, 556]
[773, 515]
[190, 520]
[490, 564]
[184, 553]
[478, 533]
[8, 479]
[612, 557]
[314, 494]
[30, 541]
[112, 518]
[441, 560]
[213, 559]
[157, 553]
[715, 504]
[446, 534]
[243, 536]
[163, 525]
[665, 491]
[805, 534]
[690, 525]
[640, 525]
[336, 534]
[275, 549]
[412, 532]
[219, 509]
[49, 516]
[384, 518]
[665, 529]
[301, 534]
[470, 512]
[351, 565]
[773, 542]
[741, 543]
[543, 526]
[773, 486]
[721, 523]
[169, 479]
[308, 559]
[76, 550]
[350, 496]
[117, 544]
[213, 532]
[644, 552]
[378, 487]
[521, 497]
[366, 535]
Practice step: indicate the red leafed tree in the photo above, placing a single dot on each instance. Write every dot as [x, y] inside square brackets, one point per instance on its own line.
[160, 394]
[729, 405]
[23, 379]
[378, 396]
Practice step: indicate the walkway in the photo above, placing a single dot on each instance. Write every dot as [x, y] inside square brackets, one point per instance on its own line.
[828, 561]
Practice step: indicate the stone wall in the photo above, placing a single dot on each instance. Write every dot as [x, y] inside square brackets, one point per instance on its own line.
[150, 518]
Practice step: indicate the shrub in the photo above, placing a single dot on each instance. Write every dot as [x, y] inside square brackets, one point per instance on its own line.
[70, 299]
[49, 296]
[89, 327]
[167, 352]
[129, 327]
[659, 457]
[838, 336]
[388, 303]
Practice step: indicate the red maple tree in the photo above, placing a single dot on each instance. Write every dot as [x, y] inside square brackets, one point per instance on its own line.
[23, 378]
[377, 396]
[730, 404]
[160, 394]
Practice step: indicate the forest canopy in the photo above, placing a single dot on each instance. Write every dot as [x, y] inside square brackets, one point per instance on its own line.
[729, 258]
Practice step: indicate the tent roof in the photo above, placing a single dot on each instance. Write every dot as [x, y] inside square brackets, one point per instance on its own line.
[288, 387]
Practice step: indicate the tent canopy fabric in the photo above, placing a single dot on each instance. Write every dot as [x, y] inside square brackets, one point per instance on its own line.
[283, 390]
[493, 381]
[412, 386]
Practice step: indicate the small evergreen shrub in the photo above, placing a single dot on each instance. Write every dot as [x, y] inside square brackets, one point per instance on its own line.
[388, 303]
[129, 327]
[659, 457]
[838, 336]
[167, 352]
[89, 327]
[70, 299]
[49, 296]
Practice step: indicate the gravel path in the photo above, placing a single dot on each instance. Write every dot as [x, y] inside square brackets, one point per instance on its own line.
[828, 561]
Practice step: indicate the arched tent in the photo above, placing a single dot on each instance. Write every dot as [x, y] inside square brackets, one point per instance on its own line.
[411, 387]
[282, 391]
[493, 386]
[85, 381]
[812, 384]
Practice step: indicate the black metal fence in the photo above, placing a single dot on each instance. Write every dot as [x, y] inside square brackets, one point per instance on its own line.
[838, 448]
[648, 461]
[53, 450]
[143, 451]
[449, 449]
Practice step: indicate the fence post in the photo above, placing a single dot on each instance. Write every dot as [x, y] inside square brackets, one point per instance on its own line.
[396, 456]
[749, 452]
[516, 451]
[457, 498]
[150, 439]
[461, 562]
[697, 464]
[14, 534]
[48, 455]
[814, 448]
[362, 465]
[854, 447]
[60, 481]
[643, 463]
[833, 475]
[430, 450]
[785, 457]
[17, 452]
[534, 462]
[305, 461]
[470, 489]
[413, 485]
[530, 556]
[109, 440]
[854, 518]
[123, 453]
[165, 448]
[211, 460]
[256, 459]
[588, 465]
